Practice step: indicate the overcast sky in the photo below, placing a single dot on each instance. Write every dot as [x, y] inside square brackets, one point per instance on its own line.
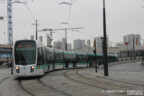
[123, 17]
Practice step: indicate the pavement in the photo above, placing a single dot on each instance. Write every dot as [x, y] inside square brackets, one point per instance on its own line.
[128, 72]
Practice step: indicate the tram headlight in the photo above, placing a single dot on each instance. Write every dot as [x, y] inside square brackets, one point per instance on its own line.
[32, 68]
[17, 69]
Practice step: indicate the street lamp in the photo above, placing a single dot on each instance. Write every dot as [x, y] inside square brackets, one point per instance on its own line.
[95, 55]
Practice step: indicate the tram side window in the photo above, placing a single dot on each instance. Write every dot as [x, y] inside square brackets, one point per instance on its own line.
[65, 56]
[50, 56]
[44, 56]
[59, 56]
[80, 57]
[40, 57]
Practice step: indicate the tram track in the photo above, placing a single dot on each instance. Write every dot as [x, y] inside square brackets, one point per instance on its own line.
[36, 88]
[97, 84]
[54, 89]
[130, 83]
[4, 79]
[38, 84]
[101, 79]
[26, 90]
[79, 78]
[76, 87]
[70, 78]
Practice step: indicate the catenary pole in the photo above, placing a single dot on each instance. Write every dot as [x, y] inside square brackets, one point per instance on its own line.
[36, 30]
[105, 59]
[95, 57]
[65, 39]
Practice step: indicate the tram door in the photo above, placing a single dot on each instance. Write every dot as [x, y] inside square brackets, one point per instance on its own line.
[44, 60]
[40, 60]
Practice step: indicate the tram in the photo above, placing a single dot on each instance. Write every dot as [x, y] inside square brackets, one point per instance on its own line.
[31, 58]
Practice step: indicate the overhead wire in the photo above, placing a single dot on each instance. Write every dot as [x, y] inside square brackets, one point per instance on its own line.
[74, 1]
[30, 12]
[70, 10]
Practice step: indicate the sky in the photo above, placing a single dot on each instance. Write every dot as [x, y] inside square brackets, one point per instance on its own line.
[122, 16]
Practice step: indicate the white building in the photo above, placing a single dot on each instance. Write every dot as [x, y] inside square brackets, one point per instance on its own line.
[79, 44]
[49, 40]
[41, 39]
[69, 46]
[132, 40]
[99, 41]
[57, 45]
[32, 37]
[62, 45]
[99, 44]
[88, 43]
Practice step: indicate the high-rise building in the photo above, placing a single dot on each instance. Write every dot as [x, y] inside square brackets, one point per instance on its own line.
[49, 40]
[32, 37]
[88, 43]
[132, 40]
[69, 46]
[62, 45]
[99, 42]
[79, 44]
[41, 38]
[57, 45]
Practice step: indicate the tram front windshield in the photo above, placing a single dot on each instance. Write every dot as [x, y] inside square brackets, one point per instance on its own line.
[25, 53]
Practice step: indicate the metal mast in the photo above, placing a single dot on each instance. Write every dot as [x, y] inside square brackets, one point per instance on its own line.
[10, 26]
[105, 58]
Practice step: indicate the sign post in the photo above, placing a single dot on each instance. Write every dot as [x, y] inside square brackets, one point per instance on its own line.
[95, 56]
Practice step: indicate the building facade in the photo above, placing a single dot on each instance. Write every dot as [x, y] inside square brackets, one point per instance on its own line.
[132, 41]
[5, 53]
[79, 44]
[99, 44]
[62, 45]
[88, 43]
[57, 45]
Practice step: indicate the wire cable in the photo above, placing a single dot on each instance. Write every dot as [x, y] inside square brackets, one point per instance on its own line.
[74, 1]
[70, 9]
[30, 11]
